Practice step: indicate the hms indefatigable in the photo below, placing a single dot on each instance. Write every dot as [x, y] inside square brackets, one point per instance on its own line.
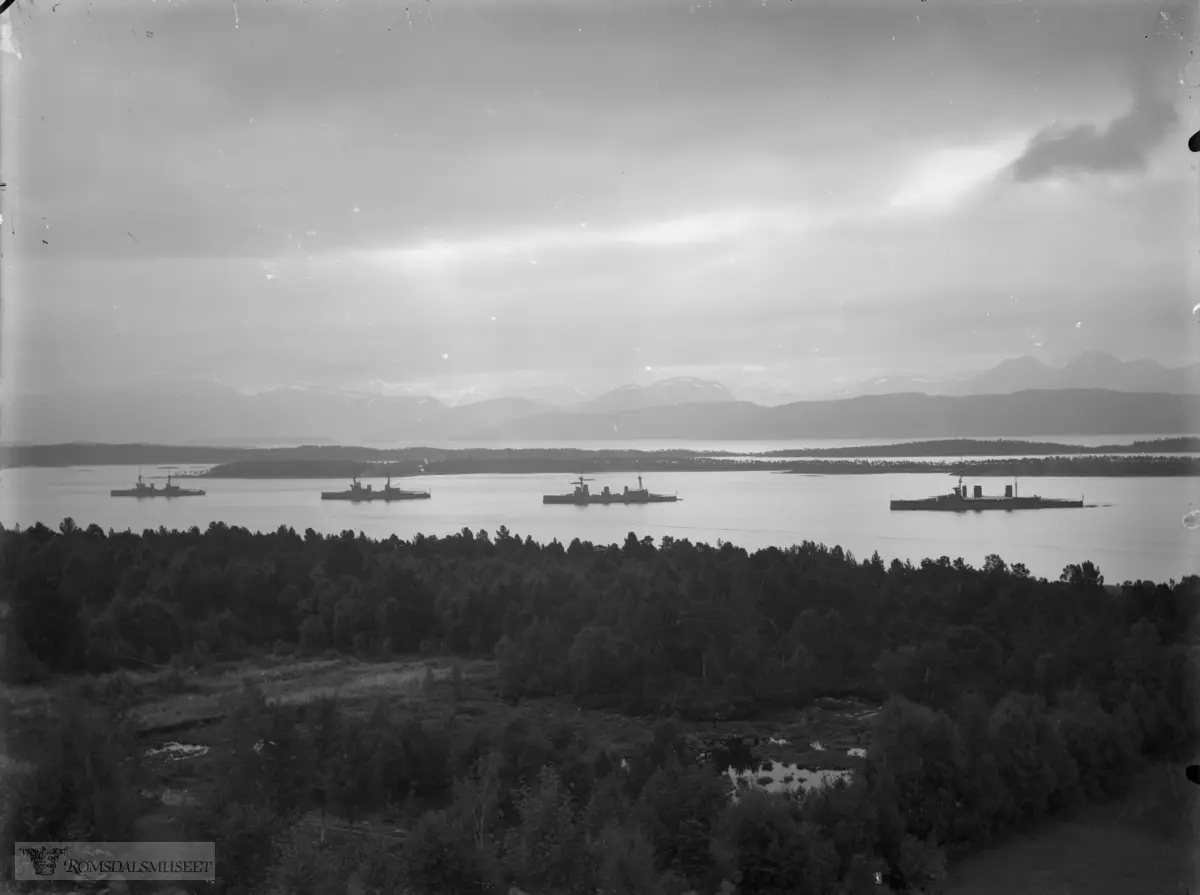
[358, 492]
[141, 489]
[958, 501]
[581, 496]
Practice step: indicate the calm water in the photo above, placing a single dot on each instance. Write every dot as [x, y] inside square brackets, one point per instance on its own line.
[1136, 531]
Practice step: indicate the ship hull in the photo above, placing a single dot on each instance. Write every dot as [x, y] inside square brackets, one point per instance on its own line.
[607, 499]
[367, 498]
[141, 494]
[958, 505]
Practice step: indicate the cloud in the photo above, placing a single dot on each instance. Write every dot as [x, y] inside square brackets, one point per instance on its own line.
[947, 175]
[1124, 145]
[732, 226]
[1126, 142]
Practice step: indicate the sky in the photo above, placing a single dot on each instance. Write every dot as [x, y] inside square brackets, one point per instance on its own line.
[476, 197]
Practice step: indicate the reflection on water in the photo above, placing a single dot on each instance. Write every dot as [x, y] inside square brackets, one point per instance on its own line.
[1136, 531]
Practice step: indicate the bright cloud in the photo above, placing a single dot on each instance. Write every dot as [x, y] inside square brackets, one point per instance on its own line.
[943, 177]
[733, 227]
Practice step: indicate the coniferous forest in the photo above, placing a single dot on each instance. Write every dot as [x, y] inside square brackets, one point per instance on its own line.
[1005, 700]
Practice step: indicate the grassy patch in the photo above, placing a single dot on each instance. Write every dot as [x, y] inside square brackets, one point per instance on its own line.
[1146, 843]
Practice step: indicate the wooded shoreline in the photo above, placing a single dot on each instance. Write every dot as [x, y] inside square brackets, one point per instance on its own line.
[84, 454]
[574, 703]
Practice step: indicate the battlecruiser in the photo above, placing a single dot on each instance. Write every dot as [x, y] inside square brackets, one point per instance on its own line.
[141, 489]
[581, 496]
[358, 492]
[959, 501]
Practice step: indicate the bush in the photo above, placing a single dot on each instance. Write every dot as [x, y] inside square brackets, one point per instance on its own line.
[623, 859]
[80, 786]
[545, 850]
[440, 855]
[313, 637]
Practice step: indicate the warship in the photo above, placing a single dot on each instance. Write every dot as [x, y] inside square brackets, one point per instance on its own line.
[959, 501]
[141, 489]
[359, 492]
[581, 496]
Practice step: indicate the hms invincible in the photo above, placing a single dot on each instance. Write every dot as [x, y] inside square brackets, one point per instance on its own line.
[358, 492]
[141, 489]
[958, 501]
[581, 496]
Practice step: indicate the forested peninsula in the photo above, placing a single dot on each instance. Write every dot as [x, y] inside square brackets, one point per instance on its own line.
[577, 709]
[601, 463]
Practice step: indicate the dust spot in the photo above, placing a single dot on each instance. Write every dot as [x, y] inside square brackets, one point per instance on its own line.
[8, 43]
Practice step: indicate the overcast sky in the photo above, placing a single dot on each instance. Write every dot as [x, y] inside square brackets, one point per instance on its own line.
[490, 193]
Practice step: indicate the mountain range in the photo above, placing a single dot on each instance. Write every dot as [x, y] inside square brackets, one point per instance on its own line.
[1090, 370]
[1094, 394]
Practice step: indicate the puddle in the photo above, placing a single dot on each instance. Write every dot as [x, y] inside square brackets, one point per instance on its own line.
[784, 777]
[177, 751]
[776, 741]
[816, 746]
[176, 797]
[857, 753]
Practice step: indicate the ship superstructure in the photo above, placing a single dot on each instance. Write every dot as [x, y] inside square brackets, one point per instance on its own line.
[141, 489]
[358, 492]
[582, 496]
[960, 501]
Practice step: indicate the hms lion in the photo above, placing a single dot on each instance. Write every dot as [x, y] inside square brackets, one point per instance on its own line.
[581, 496]
[141, 489]
[358, 492]
[959, 501]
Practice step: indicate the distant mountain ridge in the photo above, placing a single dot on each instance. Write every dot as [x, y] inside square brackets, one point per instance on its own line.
[1090, 370]
[1028, 413]
[202, 412]
[205, 412]
[664, 393]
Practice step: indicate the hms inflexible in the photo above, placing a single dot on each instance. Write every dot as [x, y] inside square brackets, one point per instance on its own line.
[141, 489]
[581, 496]
[959, 501]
